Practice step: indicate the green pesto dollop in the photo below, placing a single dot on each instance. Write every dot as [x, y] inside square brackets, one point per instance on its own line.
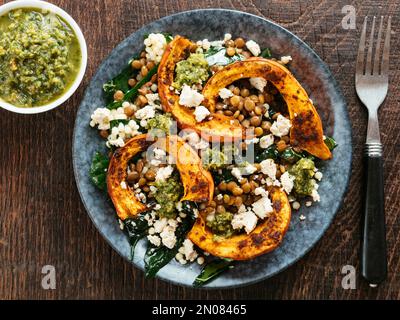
[40, 57]
[213, 159]
[193, 70]
[161, 122]
[221, 225]
[303, 171]
[168, 194]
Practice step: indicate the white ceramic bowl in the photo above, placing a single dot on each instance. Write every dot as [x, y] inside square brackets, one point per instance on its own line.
[52, 8]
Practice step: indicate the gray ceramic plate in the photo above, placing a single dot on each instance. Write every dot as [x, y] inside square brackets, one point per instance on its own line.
[309, 70]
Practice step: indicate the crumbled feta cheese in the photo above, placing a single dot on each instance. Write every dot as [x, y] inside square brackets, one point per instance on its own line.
[146, 113]
[296, 205]
[281, 126]
[189, 252]
[318, 175]
[121, 132]
[225, 93]
[220, 196]
[164, 173]
[266, 141]
[258, 83]
[152, 98]
[315, 195]
[160, 224]
[308, 203]
[287, 182]
[205, 44]
[262, 207]
[200, 260]
[123, 185]
[246, 220]
[103, 116]
[201, 113]
[268, 167]
[189, 97]
[286, 59]
[302, 217]
[253, 47]
[260, 191]
[168, 237]
[154, 239]
[155, 45]
[237, 172]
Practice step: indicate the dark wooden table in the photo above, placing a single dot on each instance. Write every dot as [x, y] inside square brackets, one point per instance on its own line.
[43, 222]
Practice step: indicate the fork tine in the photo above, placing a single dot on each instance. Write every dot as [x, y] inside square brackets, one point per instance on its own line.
[361, 48]
[368, 66]
[378, 49]
[386, 50]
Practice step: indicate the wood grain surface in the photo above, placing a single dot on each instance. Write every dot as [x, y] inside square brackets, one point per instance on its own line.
[43, 222]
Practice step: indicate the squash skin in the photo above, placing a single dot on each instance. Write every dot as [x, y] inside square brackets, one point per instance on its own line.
[306, 132]
[266, 237]
[217, 127]
[197, 182]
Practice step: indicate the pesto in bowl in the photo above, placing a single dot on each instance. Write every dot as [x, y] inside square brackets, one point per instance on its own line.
[40, 57]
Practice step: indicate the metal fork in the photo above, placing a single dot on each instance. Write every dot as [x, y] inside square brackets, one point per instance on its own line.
[372, 80]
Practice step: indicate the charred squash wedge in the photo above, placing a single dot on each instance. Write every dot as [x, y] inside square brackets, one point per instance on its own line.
[306, 132]
[217, 126]
[264, 238]
[197, 182]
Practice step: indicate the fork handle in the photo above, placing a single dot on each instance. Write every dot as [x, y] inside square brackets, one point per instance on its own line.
[374, 258]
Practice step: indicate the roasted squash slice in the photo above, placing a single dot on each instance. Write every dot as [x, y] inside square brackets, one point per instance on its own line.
[197, 182]
[264, 238]
[306, 132]
[217, 126]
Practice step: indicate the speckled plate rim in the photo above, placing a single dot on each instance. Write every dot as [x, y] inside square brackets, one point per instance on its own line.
[339, 97]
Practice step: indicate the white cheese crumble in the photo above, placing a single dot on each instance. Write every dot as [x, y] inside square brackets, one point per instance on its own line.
[318, 175]
[188, 250]
[315, 195]
[225, 93]
[103, 116]
[152, 99]
[201, 113]
[281, 126]
[164, 173]
[237, 172]
[296, 205]
[154, 239]
[287, 182]
[168, 237]
[194, 139]
[155, 45]
[189, 97]
[246, 220]
[147, 112]
[253, 47]
[121, 132]
[266, 141]
[123, 185]
[260, 191]
[258, 83]
[286, 59]
[262, 207]
[268, 167]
